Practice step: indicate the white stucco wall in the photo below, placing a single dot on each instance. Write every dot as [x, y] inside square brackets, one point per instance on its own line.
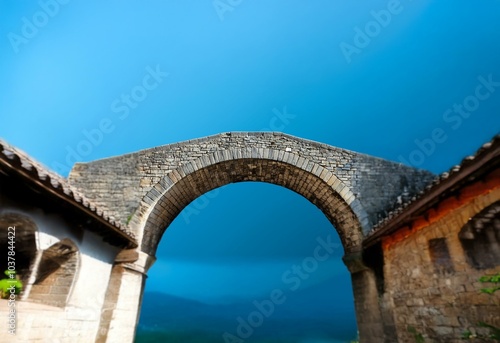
[79, 320]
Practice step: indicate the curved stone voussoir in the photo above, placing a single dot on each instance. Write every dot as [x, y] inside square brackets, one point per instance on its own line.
[161, 181]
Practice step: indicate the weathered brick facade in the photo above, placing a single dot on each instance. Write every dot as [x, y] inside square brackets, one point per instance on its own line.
[429, 254]
[432, 287]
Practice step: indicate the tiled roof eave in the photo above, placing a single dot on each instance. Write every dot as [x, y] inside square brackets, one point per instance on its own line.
[443, 184]
[21, 164]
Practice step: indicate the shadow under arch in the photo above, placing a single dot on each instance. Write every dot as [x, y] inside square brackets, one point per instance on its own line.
[480, 238]
[57, 270]
[161, 205]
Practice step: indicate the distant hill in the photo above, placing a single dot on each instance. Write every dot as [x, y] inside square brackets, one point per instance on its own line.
[306, 313]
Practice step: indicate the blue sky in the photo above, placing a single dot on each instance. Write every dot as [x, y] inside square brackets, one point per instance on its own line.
[410, 81]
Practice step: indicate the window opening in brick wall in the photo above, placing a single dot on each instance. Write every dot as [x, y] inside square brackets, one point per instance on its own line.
[373, 257]
[440, 256]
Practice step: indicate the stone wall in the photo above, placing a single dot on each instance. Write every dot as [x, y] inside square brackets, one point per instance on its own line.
[149, 188]
[119, 183]
[368, 314]
[44, 323]
[429, 283]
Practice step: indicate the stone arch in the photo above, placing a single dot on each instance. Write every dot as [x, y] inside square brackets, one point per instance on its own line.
[480, 238]
[56, 272]
[163, 202]
[151, 187]
[25, 242]
[174, 191]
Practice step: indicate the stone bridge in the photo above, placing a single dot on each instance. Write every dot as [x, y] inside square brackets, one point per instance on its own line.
[146, 190]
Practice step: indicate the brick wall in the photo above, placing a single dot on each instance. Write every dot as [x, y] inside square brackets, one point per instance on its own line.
[429, 284]
[119, 183]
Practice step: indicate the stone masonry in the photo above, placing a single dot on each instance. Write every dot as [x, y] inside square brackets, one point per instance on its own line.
[146, 190]
[431, 285]
[352, 189]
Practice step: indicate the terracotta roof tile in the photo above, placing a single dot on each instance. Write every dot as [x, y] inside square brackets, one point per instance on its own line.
[20, 161]
[492, 144]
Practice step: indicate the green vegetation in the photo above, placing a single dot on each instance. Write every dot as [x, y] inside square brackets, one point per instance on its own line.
[419, 338]
[356, 340]
[7, 283]
[129, 218]
[173, 337]
[494, 332]
[192, 337]
[154, 336]
[490, 279]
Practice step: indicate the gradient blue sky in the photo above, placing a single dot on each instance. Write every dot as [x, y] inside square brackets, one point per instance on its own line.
[240, 71]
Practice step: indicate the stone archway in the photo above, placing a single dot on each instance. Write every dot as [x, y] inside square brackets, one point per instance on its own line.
[176, 190]
[151, 187]
[160, 206]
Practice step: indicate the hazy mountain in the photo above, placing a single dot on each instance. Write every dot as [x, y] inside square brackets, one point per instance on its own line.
[307, 315]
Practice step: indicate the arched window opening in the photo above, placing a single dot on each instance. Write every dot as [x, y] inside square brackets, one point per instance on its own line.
[480, 238]
[55, 274]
